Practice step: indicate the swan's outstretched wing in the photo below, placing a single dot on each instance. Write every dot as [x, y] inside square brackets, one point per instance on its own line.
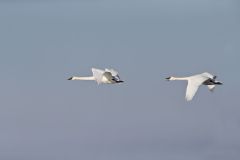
[206, 74]
[97, 74]
[114, 74]
[192, 88]
[112, 71]
[108, 76]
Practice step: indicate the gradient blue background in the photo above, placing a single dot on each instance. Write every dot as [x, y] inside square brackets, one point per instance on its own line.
[44, 116]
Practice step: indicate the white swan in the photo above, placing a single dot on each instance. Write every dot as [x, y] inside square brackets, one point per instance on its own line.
[108, 76]
[195, 81]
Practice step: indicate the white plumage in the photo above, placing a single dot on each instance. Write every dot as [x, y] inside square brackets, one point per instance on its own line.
[108, 76]
[197, 80]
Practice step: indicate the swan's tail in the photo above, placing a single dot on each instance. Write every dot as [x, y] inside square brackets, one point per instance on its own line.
[218, 83]
[211, 87]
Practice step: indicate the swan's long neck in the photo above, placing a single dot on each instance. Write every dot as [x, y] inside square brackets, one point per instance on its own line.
[83, 78]
[179, 78]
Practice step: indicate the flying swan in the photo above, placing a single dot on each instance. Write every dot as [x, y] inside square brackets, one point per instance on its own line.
[195, 81]
[108, 76]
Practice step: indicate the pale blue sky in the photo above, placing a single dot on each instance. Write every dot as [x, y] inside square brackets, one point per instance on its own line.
[44, 116]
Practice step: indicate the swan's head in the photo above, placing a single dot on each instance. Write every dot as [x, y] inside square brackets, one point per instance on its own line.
[169, 78]
[71, 78]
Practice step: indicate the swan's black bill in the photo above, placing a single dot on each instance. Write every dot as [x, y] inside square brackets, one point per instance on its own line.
[70, 78]
[168, 78]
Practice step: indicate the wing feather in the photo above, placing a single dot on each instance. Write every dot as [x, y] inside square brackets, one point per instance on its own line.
[108, 75]
[206, 74]
[114, 74]
[97, 74]
[112, 71]
[192, 88]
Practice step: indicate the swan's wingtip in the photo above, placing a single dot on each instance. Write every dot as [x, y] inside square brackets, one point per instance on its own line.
[188, 99]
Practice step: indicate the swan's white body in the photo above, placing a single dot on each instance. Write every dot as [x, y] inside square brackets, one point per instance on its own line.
[108, 76]
[197, 80]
